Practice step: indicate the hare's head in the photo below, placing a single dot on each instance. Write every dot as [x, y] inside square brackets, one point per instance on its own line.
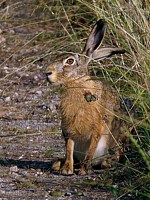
[72, 66]
[67, 66]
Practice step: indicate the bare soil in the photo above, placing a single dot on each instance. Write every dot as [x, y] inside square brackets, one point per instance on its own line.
[30, 135]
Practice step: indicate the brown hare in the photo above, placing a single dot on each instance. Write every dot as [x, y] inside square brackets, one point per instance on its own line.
[89, 108]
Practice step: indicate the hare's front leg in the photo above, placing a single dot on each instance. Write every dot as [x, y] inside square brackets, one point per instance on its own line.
[67, 168]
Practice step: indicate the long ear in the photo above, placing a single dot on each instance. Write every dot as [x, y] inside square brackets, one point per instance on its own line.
[95, 37]
[102, 53]
[92, 48]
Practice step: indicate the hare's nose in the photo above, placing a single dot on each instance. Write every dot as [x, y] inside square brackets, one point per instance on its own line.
[48, 73]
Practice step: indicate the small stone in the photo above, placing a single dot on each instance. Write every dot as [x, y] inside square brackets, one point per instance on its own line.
[15, 175]
[2, 39]
[39, 66]
[16, 94]
[39, 173]
[6, 69]
[12, 31]
[21, 157]
[68, 194]
[36, 77]
[39, 92]
[14, 169]
[7, 99]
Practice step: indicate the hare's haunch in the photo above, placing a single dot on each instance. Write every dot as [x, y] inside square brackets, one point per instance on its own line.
[89, 108]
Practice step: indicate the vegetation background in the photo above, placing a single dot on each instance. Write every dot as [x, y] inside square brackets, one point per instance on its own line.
[32, 32]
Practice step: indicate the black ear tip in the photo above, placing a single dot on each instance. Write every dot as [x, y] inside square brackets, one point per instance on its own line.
[101, 25]
[118, 51]
[122, 51]
[101, 22]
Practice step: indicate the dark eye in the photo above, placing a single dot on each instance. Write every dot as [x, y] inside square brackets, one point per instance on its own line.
[70, 61]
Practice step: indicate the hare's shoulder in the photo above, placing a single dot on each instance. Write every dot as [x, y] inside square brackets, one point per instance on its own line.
[109, 96]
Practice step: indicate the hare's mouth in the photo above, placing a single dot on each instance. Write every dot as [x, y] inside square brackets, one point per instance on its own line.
[48, 76]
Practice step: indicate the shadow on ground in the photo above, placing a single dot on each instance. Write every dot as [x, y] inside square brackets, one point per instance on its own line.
[43, 166]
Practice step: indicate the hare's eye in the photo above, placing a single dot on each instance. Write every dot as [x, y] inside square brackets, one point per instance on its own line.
[70, 61]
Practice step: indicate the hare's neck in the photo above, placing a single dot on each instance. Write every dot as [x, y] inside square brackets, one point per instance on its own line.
[73, 94]
[72, 97]
[80, 84]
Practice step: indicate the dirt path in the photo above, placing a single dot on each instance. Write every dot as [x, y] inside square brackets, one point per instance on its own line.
[25, 171]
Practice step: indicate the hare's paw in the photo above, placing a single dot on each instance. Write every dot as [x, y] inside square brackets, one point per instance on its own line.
[82, 171]
[85, 168]
[111, 160]
[67, 169]
[106, 163]
[56, 166]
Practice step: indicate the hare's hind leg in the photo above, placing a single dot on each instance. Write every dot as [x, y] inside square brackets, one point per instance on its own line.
[86, 164]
